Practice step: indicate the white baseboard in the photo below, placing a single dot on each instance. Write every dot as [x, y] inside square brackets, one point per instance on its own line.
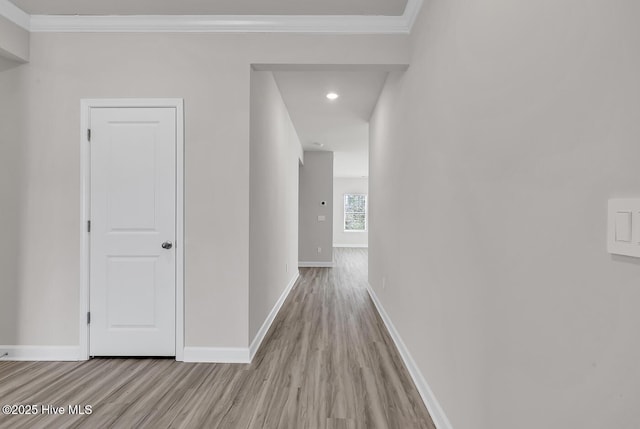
[72, 353]
[257, 340]
[313, 264]
[217, 354]
[40, 353]
[358, 246]
[435, 410]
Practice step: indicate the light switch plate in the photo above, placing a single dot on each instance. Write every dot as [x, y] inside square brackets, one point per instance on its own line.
[623, 227]
[322, 218]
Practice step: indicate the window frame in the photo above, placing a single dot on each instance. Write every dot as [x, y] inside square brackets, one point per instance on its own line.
[344, 212]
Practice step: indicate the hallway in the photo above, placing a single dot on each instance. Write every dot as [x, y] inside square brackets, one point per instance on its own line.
[327, 362]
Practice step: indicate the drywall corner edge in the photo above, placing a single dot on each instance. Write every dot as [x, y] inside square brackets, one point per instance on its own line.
[14, 41]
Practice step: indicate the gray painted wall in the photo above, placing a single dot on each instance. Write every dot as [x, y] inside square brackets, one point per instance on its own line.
[492, 159]
[275, 153]
[316, 185]
[14, 41]
[12, 203]
[341, 186]
[212, 73]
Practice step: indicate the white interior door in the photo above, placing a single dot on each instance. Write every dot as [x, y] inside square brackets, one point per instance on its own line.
[133, 227]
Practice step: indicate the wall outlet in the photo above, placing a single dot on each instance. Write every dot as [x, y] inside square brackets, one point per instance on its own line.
[319, 249]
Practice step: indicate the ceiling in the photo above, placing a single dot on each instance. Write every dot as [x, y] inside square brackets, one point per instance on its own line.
[212, 7]
[342, 125]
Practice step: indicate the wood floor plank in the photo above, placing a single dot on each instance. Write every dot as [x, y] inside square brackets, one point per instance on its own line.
[327, 362]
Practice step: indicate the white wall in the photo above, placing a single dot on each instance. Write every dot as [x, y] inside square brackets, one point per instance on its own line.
[275, 153]
[212, 73]
[341, 186]
[502, 143]
[316, 186]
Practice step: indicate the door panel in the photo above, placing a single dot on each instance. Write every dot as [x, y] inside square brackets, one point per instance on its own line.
[132, 166]
[133, 200]
[133, 278]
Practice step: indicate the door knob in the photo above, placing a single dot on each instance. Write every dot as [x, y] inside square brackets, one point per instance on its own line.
[167, 245]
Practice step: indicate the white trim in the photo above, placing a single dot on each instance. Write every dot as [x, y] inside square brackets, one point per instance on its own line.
[326, 24]
[359, 246]
[314, 264]
[14, 14]
[217, 354]
[85, 215]
[435, 410]
[411, 12]
[262, 332]
[40, 353]
[289, 67]
[220, 24]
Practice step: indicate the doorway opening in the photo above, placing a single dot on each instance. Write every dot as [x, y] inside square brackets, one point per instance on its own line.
[330, 108]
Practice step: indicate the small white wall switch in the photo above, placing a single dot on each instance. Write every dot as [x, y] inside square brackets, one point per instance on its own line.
[623, 229]
[322, 218]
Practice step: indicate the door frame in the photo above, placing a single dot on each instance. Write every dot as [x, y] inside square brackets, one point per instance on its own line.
[85, 209]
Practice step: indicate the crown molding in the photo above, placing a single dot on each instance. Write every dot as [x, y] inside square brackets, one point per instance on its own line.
[411, 12]
[14, 14]
[319, 24]
[220, 24]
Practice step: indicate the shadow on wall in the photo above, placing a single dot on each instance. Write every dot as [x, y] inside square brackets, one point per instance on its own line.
[7, 64]
[625, 259]
[12, 165]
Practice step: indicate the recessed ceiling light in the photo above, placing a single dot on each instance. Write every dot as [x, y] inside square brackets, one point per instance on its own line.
[332, 96]
[318, 144]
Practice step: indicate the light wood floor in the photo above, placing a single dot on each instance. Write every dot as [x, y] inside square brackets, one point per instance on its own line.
[327, 362]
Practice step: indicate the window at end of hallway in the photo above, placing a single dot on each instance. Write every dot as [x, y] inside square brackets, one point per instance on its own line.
[355, 212]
